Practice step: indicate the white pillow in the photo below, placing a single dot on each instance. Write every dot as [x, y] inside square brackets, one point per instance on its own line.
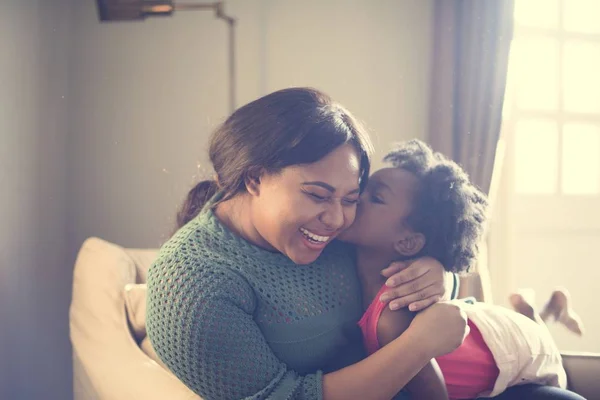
[135, 304]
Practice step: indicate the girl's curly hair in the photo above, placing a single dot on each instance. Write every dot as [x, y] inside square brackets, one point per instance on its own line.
[448, 209]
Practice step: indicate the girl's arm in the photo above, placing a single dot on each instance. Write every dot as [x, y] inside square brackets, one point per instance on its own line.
[429, 382]
[383, 374]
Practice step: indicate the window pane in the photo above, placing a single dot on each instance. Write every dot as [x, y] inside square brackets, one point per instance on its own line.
[536, 13]
[582, 16]
[534, 67]
[536, 156]
[581, 159]
[582, 76]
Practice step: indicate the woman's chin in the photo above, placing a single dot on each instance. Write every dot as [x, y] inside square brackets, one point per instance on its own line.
[303, 259]
[303, 255]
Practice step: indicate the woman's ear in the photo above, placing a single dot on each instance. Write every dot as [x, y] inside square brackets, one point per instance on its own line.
[410, 245]
[252, 181]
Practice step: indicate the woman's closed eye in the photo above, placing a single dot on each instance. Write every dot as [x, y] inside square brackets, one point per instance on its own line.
[319, 198]
[351, 202]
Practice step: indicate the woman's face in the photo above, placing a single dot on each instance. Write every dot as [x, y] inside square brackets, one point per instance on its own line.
[302, 208]
[384, 205]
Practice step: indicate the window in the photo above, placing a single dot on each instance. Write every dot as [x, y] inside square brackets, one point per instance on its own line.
[552, 103]
[550, 220]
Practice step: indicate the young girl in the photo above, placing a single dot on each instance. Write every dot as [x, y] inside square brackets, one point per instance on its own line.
[424, 205]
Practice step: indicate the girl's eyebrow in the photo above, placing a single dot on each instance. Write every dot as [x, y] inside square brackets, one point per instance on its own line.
[383, 185]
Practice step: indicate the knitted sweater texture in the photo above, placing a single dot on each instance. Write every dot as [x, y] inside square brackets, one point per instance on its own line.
[234, 321]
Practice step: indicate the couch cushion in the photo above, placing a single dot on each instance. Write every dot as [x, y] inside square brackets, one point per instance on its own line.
[135, 304]
[107, 360]
[142, 259]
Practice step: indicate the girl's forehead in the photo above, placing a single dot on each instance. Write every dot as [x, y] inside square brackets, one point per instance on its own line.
[395, 179]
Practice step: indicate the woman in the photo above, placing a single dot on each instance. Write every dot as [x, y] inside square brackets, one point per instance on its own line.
[252, 297]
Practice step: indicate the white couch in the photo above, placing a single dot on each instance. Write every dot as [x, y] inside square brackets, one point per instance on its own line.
[109, 364]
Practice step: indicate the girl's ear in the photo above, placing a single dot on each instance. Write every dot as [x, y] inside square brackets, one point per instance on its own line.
[410, 245]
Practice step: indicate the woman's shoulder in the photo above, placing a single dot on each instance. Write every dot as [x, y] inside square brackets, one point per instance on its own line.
[202, 240]
[195, 255]
[193, 259]
[190, 275]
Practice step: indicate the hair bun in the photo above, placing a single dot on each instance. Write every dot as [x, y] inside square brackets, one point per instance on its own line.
[196, 198]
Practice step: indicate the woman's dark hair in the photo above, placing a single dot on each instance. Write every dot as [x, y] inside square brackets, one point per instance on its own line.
[447, 208]
[288, 127]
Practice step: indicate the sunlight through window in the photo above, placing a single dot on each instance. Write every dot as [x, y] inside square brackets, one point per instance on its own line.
[553, 97]
[536, 148]
[537, 13]
[580, 161]
[582, 76]
[581, 16]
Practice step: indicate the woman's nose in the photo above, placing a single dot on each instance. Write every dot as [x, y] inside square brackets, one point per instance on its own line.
[333, 216]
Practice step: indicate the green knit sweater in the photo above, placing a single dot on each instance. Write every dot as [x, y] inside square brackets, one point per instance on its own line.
[234, 321]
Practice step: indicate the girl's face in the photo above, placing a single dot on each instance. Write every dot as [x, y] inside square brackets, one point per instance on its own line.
[384, 206]
[304, 207]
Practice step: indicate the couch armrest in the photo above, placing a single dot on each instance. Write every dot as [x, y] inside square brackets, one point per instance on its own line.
[583, 373]
[107, 362]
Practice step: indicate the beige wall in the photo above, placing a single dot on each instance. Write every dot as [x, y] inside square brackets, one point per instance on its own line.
[34, 274]
[147, 95]
[372, 56]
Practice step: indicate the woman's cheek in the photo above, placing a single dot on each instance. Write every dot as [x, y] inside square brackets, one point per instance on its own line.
[306, 210]
[349, 216]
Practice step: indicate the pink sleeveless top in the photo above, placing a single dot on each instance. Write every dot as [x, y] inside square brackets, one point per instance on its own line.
[468, 371]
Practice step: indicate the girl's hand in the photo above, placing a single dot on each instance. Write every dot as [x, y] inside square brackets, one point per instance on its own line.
[445, 317]
[417, 284]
